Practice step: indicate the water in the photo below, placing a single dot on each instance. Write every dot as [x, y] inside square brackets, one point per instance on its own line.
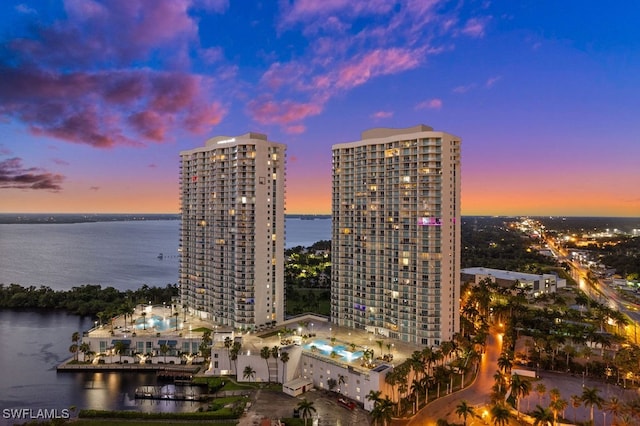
[123, 255]
[119, 254]
[34, 343]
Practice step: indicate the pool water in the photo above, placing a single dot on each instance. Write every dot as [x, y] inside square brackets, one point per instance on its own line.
[325, 348]
[156, 322]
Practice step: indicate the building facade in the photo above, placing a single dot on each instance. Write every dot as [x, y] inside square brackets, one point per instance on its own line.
[232, 232]
[396, 234]
[532, 284]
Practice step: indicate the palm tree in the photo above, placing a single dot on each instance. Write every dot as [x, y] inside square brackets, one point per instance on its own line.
[614, 406]
[144, 320]
[265, 353]
[306, 409]
[85, 348]
[500, 414]
[284, 358]
[74, 350]
[164, 349]
[275, 353]
[233, 354]
[591, 398]
[558, 406]
[520, 388]
[119, 347]
[374, 396]
[540, 389]
[249, 373]
[227, 344]
[542, 416]
[175, 314]
[383, 410]
[576, 402]
[464, 410]
[504, 363]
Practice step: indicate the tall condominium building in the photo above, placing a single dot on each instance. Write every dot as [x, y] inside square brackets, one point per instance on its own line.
[232, 233]
[396, 234]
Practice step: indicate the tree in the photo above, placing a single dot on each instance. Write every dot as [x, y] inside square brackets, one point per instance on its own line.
[74, 350]
[284, 358]
[233, 354]
[576, 402]
[119, 347]
[558, 406]
[144, 320]
[590, 398]
[275, 353]
[540, 389]
[500, 414]
[265, 353]
[520, 388]
[306, 409]
[613, 406]
[374, 396]
[175, 314]
[249, 373]
[84, 348]
[543, 416]
[75, 338]
[164, 349]
[464, 410]
[383, 410]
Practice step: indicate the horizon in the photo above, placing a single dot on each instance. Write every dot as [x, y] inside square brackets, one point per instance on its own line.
[100, 97]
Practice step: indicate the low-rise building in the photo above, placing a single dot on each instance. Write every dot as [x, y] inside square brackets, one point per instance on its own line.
[533, 284]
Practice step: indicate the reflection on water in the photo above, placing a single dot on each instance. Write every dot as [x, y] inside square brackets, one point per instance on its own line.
[34, 343]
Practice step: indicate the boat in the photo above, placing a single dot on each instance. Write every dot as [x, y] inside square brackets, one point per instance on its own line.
[160, 256]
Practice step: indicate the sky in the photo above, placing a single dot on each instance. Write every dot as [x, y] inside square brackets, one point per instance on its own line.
[98, 98]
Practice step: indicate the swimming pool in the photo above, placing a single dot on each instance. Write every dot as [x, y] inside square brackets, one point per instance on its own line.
[325, 348]
[156, 322]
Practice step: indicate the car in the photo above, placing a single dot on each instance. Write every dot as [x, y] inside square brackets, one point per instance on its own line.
[347, 404]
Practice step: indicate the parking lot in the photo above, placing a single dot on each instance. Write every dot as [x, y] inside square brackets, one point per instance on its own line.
[277, 405]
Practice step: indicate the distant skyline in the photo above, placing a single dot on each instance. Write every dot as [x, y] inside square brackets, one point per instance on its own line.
[97, 98]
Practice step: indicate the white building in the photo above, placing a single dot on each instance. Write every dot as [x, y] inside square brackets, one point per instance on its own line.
[533, 284]
[396, 234]
[232, 233]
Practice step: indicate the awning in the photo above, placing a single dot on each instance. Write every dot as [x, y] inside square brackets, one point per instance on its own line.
[124, 342]
[172, 342]
[162, 342]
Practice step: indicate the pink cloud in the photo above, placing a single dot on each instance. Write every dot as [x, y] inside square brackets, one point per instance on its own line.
[14, 175]
[434, 103]
[60, 162]
[310, 9]
[285, 113]
[463, 89]
[105, 109]
[56, 85]
[382, 114]
[475, 27]
[377, 62]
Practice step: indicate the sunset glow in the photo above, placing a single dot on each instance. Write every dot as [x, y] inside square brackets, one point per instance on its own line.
[97, 98]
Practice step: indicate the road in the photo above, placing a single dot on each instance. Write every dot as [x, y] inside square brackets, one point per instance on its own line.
[477, 394]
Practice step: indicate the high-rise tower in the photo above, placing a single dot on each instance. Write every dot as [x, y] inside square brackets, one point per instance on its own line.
[396, 234]
[232, 232]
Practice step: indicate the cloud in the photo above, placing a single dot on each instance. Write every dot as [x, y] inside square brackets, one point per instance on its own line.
[493, 80]
[14, 175]
[107, 108]
[23, 8]
[475, 27]
[463, 89]
[60, 162]
[434, 103]
[341, 53]
[80, 81]
[287, 113]
[382, 114]
[152, 166]
[94, 188]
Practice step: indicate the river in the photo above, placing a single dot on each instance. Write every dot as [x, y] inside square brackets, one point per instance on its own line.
[120, 254]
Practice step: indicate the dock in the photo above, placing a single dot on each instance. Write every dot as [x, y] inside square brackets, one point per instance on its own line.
[171, 393]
